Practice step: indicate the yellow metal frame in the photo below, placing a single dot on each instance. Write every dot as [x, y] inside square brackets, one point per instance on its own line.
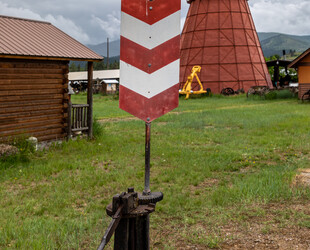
[187, 88]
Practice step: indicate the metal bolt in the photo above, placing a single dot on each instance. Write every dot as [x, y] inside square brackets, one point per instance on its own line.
[148, 119]
[151, 8]
[150, 65]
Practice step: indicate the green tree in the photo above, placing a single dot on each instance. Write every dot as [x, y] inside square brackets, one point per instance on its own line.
[72, 67]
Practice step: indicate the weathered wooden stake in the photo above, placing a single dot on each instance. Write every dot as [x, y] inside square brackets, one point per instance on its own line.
[69, 132]
[90, 99]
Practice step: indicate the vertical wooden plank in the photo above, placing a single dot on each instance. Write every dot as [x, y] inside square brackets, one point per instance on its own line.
[66, 100]
[85, 117]
[73, 118]
[90, 99]
[81, 117]
[69, 120]
[79, 120]
[76, 117]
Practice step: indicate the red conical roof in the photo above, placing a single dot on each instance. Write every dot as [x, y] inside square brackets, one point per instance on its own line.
[220, 36]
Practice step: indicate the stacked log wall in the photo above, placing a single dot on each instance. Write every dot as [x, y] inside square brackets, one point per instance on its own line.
[33, 99]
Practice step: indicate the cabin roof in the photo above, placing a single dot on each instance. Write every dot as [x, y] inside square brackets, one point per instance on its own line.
[32, 39]
[297, 60]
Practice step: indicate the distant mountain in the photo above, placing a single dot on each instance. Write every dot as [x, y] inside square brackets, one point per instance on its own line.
[101, 49]
[272, 43]
[275, 43]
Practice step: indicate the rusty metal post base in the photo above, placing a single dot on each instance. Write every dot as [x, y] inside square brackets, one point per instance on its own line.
[132, 233]
[130, 220]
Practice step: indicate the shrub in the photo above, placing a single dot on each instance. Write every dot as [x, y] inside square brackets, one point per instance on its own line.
[271, 95]
[97, 128]
[279, 94]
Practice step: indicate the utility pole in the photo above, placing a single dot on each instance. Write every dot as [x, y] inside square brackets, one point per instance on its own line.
[108, 66]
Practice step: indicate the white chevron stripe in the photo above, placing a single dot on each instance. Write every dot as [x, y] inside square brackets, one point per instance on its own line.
[149, 85]
[150, 36]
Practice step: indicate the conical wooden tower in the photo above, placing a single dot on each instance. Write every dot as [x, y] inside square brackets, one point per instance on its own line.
[220, 36]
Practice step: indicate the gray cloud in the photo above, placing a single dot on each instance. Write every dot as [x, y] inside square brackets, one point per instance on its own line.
[92, 21]
[285, 16]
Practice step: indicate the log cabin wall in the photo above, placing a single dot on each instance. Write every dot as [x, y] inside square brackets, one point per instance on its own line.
[304, 76]
[33, 99]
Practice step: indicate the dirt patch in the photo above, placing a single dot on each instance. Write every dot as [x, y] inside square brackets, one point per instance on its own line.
[258, 237]
[118, 119]
[208, 183]
[106, 166]
[276, 229]
[302, 178]
[272, 226]
[15, 188]
[80, 206]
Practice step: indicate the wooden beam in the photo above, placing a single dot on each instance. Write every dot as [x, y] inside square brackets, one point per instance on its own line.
[32, 81]
[5, 99]
[69, 122]
[31, 76]
[50, 58]
[90, 98]
[303, 64]
[29, 92]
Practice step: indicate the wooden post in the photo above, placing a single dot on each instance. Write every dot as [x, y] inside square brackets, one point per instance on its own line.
[90, 99]
[69, 134]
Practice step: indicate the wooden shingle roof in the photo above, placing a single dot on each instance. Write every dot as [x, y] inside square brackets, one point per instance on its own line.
[24, 38]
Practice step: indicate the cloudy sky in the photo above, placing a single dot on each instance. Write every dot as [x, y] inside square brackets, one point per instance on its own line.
[92, 21]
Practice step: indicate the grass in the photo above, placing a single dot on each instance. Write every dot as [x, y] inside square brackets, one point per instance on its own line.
[219, 161]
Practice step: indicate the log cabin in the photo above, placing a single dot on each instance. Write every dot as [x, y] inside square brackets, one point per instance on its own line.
[34, 67]
[302, 65]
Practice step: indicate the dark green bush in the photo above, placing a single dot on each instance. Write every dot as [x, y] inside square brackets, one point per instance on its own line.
[279, 94]
[271, 95]
[98, 128]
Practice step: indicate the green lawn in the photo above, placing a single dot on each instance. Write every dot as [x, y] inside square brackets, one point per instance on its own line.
[226, 167]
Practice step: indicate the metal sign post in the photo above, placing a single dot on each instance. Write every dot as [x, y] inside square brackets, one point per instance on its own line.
[149, 88]
[147, 189]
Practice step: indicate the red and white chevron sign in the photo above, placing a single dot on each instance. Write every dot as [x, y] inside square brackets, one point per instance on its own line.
[149, 61]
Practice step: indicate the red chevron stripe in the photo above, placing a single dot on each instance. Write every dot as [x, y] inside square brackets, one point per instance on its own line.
[159, 9]
[140, 57]
[145, 108]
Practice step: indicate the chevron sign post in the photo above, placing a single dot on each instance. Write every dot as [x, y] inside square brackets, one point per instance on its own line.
[149, 60]
[149, 88]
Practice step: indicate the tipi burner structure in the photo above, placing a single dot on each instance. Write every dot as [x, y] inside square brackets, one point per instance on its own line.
[220, 36]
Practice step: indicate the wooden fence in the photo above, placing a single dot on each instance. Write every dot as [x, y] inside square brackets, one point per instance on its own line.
[78, 118]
